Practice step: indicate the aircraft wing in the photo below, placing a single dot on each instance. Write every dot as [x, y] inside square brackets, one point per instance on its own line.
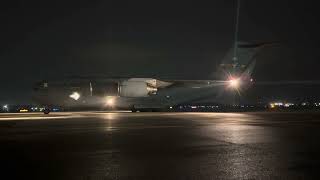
[189, 83]
[195, 81]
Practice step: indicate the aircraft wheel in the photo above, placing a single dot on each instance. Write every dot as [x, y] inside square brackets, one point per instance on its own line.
[46, 111]
[133, 109]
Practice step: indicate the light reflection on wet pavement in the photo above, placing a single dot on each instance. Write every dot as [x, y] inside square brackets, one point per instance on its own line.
[121, 145]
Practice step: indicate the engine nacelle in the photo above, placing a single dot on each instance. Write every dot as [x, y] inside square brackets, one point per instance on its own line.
[104, 89]
[135, 89]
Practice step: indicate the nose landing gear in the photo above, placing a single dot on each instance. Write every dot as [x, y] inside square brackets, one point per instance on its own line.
[133, 109]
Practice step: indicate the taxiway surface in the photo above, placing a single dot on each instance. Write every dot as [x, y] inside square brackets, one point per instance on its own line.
[121, 145]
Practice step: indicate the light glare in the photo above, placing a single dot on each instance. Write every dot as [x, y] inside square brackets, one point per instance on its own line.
[75, 96]
[234, 83]
[110, 101]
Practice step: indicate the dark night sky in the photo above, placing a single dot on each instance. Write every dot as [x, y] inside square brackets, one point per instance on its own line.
[177, 39]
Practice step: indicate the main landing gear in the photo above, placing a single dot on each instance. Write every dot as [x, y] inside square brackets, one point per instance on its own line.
[46, 110]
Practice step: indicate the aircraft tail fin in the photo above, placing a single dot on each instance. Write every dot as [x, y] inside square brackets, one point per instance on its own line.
[241, 62]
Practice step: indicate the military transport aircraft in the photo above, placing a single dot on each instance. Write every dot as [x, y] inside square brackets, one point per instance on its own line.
[138, 93]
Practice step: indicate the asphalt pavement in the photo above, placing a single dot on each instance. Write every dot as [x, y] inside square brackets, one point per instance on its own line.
[123, 145]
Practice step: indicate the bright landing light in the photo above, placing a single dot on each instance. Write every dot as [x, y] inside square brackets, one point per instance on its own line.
[234, 83]
[110, 101]
[75, 96]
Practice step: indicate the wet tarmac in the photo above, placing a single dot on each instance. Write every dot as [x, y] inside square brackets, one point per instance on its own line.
[122, 145]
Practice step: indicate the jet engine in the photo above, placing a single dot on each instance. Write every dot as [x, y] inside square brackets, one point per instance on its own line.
[104, 88]
[136, 89]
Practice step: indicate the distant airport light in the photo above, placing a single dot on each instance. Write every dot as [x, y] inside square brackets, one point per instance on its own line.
[272, 105]
[281, 105]
[75, 96]
[288, 104]
[23, 110]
